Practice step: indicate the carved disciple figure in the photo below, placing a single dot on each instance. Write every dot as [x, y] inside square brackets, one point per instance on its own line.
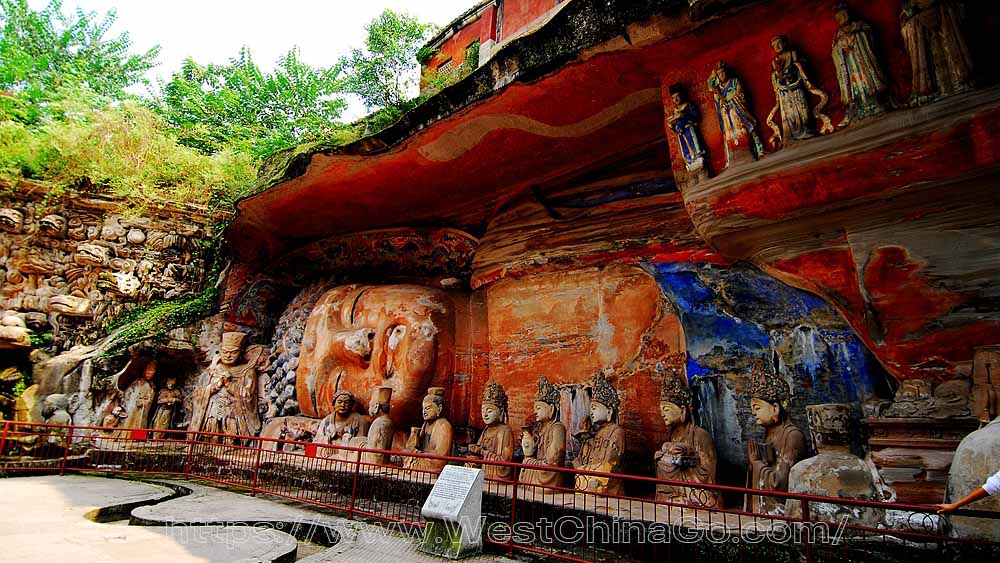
[862, 82]
[340, 426]
[433, 437]
[381, 431]
[939, 56]
[688, 454]
[684, 121]
[738, 125]
[137, 399]
[784, 444]
[228, 402]
[791, 91]
[168, 400]
[603, 441]
[545, 443]
[496, 443]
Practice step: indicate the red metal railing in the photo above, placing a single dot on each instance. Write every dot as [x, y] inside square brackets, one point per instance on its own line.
[556, 521]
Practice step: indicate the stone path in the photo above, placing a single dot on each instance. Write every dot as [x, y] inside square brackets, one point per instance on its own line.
[45, 519]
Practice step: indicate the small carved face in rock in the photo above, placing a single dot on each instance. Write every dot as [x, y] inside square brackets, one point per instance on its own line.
[778, 43]
[544, 411]
[171, 382]
[491, 414]
[149, 371]
[599, 412]
[672, 413]
[767, 414]
[53, 226]
[431, 408]
[230, 354]
[11, 220]
[343, 404]
[93, 255]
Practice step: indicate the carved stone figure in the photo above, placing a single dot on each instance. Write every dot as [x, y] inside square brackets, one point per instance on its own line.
[137, 398]
[834, 471]
[602, 439]
[496, 443]
[11, 220]
[381, 431]
[939, 56]
[918, 398]
[684, 121]
[737, 123]
[433, 437]
[341, 426]
[862, 81]
[791, 92]
[545, 442]
[14, 332]
[228, 402]
[53, 226]
[168, 402]
[361, 337]
[689, 452]
[784, 444]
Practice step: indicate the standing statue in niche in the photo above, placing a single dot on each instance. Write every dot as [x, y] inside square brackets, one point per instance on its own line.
[496, 443]
[784, 444]
[381, 431]
[684, 121]
[228, 402]
[168, 402]
[688, 454]
[433, 437]
[791, 91]
[545, 442]
[862, 82]
[602, 439]
[939, 57]
[737, 123]
[137, 398]
[340, 426]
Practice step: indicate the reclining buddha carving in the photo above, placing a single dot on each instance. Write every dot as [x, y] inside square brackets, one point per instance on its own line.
[360, 337]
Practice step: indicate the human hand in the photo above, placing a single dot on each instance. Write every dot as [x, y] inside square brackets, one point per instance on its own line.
[945, 508]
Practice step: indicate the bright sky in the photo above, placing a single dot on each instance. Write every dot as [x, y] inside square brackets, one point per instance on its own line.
[212, 31]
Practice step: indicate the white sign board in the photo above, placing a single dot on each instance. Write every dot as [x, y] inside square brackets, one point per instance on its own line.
[456, 505]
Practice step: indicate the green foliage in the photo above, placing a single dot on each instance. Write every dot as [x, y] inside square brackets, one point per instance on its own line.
[238, 106]
[44, 51]
[41, 339]
[384, 70]
[127, 150]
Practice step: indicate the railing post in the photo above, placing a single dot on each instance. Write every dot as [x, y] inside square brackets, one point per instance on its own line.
[807, 531]
[3, 439]
[354, 486]
[256, 468]
[187, 463]
[513, 509]
[69, 441]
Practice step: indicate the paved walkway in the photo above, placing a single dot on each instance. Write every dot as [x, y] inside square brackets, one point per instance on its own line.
[44, 519]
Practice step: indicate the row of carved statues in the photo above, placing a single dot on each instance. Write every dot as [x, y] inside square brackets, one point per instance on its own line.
[940, 62]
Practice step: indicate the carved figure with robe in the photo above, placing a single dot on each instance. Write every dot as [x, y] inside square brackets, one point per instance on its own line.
[939, 57]
[784, 444]
[137, 397]
[433, 437]
[736, 121]
[227, 403]
[688, 454]
[496, 443]
[340, 427]
[684, 121]
[862, 82]
[168, 402]
[381, 431]
[792, 88]
[545, 443]
[602, 439]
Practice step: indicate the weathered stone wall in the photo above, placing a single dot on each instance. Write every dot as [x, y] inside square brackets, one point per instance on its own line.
[72, 263]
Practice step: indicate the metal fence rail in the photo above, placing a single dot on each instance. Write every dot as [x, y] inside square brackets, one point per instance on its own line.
[554, 521]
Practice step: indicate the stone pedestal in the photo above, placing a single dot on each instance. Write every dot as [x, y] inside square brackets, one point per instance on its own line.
[453, 512]
[913, 455]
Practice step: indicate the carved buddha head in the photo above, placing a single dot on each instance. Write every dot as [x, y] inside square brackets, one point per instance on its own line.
[433, 404]
[494, 407]
[604, 402]
[546, 401]
[359, 338]
[232, 348]
[769, 395]
[675, 401]
[343, 404]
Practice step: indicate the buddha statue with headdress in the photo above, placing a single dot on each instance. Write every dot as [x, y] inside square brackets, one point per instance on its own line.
[433, 437]
[496, 443]
[784, 444]
[545, 443]
[688, 454]
[602, 439]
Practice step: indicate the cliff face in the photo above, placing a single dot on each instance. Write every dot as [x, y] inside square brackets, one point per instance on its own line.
[72, 263]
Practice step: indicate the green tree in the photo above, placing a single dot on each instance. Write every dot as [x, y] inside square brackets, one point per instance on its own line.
[386, 68]
[44, 51]
[237, 105]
